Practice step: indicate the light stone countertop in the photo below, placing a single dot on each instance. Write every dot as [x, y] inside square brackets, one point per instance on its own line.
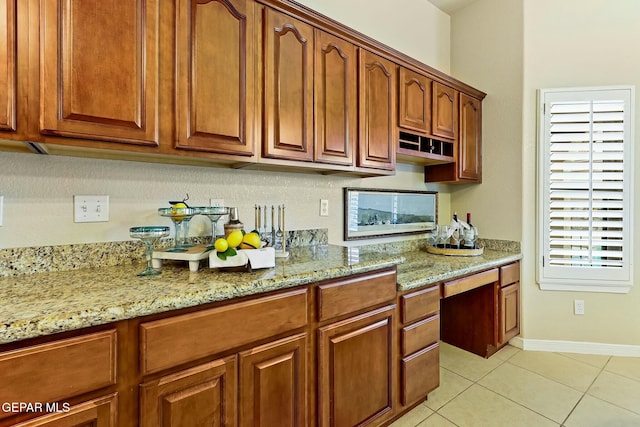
[46, 303]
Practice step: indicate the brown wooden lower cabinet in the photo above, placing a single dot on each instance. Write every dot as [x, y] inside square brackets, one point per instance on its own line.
[204, 395]
[100, 412]
[273, 383]
[356, 369]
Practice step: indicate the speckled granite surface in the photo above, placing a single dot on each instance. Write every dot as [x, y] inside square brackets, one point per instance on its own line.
[46, 303]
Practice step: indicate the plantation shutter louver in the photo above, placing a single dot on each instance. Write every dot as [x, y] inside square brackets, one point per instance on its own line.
[586, 188]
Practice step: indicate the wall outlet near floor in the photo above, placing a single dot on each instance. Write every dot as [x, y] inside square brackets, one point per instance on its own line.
[324, 207]
[90, 208]
[578, 306]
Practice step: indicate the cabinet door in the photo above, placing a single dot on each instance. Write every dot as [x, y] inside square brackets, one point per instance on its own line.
[8, 51]
[509, 321]
[215, 53]
[336, 100]
[100, 412]
[288, 92]
[356, 369]
[378, 104]
[201, 396]
[469, 139]
[99, 70]
[444, 111]
[415, 101]
[273, 384]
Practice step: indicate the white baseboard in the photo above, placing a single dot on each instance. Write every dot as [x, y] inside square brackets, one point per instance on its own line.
[576, 347]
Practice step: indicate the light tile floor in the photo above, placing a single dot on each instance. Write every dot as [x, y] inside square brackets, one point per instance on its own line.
[515, 388]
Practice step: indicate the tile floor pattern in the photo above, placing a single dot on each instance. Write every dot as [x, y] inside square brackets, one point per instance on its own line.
[515, 388]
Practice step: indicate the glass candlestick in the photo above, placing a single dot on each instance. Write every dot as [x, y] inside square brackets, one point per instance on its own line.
[180, 218]
[149, 235]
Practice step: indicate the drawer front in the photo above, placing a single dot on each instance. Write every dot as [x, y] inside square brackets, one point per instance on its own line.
[420, 335]
[170, 342]
[418, 305]
[350, 295]
[58, 370]
[420, 374]
[470, 282]
[510, 274]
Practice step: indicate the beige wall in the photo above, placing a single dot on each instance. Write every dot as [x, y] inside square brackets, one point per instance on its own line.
[511, 49]
[38, 190]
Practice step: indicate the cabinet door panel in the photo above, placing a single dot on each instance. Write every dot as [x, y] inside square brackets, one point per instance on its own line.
[415, 101]
[98, 67]
[273, 384]
[215, 76]
[445, 111]
[288, 88]
[355, 369]
[378, 104]
[470, 144]
[335, 99]
[101, 412]
[8, 65]
[509, 312]
[204, 395]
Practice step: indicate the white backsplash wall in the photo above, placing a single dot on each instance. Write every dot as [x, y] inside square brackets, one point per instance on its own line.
[38, 195]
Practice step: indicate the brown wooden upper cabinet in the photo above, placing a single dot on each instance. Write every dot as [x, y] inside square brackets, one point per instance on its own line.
[336, 102]
[470, 139]
[288, 91]
[215, 76]
[99, 70]
[8, 66]
[445, 111]
[378, 107]
[467, 167]
[415, 101]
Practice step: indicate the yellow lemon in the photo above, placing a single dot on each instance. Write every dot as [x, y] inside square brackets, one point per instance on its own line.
[176, 210]
[221, 245]
[234, 238]
[250, 241]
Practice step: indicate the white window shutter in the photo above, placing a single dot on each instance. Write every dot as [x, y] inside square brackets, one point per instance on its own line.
[586, 158]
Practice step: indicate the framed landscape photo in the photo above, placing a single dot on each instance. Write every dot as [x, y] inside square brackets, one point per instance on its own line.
[371, 213]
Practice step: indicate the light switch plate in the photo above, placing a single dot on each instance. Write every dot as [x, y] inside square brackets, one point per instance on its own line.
[90, 208]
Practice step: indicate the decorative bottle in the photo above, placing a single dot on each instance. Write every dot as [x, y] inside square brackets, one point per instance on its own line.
[469, 234]
[234, 222]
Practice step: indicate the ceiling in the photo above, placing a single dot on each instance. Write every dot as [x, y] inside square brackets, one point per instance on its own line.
[451, 6]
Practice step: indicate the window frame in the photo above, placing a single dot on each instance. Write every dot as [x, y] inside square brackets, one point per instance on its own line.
[576, 278]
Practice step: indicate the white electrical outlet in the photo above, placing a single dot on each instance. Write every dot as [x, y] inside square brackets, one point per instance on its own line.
[578, 306]
[90, 208]
[324, 207]
[216, 202]
[1, 208]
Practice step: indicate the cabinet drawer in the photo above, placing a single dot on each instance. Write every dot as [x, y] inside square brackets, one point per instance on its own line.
[420, 335]
[170, 342]
[420, 374]
[420, 304]
[350, 295]
[510, 274]
[58, 370]
[470, 282]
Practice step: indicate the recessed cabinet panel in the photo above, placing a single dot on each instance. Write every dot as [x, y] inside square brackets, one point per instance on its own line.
[288, 88]
[215, 76]
[445, 111]
[8, 65]
[378, 104]
[470, 145]
[415, 101]
[99, 70]
[336, 101]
